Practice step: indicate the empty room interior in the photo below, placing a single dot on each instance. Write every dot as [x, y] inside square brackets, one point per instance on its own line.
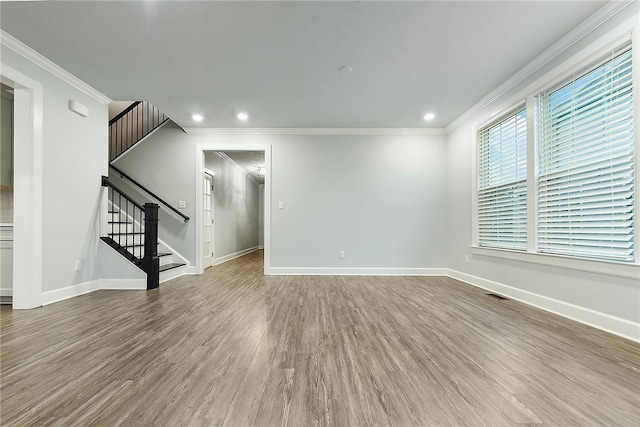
[305, 213]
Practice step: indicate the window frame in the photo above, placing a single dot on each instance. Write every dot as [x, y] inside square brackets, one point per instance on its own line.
[581, 62]
[497, 120]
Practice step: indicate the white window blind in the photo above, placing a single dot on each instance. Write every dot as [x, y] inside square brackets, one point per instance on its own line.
[502, 183]
[586, 164]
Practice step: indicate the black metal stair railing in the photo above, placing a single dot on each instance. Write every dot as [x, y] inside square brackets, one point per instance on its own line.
[131, 125]
[133, 231]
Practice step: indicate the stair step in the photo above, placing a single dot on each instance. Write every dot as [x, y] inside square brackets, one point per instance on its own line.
[120, 222]
[161, 254]
[170, 266]
[126, 233]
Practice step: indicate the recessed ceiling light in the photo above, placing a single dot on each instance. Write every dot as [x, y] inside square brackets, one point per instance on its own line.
[242, 116]
[197, 118]
[429, 116]
[345, 69]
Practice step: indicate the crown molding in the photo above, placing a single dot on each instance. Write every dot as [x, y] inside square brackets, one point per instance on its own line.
[315, 131]
[605, 13]
[22, 49]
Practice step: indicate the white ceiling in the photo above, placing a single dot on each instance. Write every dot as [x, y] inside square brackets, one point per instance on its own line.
[279, 61]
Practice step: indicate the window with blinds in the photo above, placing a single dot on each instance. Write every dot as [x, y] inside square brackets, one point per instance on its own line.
[585, 163]
[502, 183]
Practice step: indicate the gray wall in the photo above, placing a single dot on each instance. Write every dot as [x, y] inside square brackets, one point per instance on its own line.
[235, 207]
[261, 215]
[379, 198]
[74, 158]
[164, 163]
[611, 295]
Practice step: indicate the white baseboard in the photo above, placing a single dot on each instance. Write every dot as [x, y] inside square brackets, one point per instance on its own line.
[234, 255]
[124, 284]
[50, 297]
[612, 324]
[191, 270]
[92, 286]
[340, 271]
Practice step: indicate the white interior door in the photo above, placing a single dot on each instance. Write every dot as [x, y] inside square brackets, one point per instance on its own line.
[207, 244]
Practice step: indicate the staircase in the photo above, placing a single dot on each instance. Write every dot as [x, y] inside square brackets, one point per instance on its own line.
[131, 228]
[130, 231]
[132, 125]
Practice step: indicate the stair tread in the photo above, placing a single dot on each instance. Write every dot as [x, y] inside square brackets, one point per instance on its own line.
[120, 222]
[164, 254]
[170, 266]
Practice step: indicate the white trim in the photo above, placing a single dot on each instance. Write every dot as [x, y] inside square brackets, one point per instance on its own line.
[6, 292]
[56, 295]
[234, 255]
[356, 271]
[28, 191]
[605, 322]
[22, 49]
[191, 270]
[124, 284]
[605, 13]
[315, 131]
[627, 271]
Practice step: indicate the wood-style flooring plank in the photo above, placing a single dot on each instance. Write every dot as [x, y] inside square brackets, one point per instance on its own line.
[235, 348]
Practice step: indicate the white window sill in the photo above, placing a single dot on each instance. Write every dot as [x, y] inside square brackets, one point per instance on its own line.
[628, 271]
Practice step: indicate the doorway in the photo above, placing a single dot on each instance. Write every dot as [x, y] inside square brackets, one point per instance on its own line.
[238, 193]
[28, 106]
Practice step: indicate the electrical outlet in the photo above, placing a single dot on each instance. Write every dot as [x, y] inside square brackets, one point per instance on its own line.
[182, 204]
[466, 259]
[78, 265]
[341, 254]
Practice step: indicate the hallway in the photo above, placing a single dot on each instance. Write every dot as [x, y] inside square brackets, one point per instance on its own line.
[233, 347]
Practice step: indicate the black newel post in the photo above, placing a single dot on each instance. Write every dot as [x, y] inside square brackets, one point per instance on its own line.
[151, 262]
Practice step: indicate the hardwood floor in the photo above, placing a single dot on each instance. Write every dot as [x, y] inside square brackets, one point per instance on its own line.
[236, 348]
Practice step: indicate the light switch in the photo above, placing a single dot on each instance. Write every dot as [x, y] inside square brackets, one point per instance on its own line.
[182, 204]
[281, 205]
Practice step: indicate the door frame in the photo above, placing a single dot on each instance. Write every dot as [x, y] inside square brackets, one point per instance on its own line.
[28, 187]
[199, 170]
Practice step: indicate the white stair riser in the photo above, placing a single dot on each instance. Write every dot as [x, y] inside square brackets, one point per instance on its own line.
[172, 274]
